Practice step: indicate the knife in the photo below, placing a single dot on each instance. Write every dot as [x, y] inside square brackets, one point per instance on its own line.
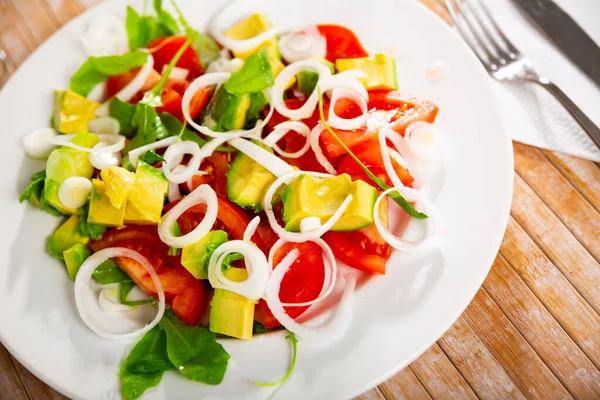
[569, 37]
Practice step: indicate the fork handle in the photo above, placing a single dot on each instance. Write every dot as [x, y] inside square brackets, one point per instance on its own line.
[588, 126]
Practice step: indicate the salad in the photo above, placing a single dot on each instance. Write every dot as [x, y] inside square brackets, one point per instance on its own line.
[228, 184]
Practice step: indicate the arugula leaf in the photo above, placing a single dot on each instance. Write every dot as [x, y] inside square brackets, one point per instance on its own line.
[141, 30]
[166, 20]
[124, 290]
[93, 231]
[258, 328]
[123, 112]
[292, 338]
[176, 231]
[206, 48]
[144, 366]
[98, 69]
[33, 192]
[109, 272]
[255, 75]
[194, 351]
[149, 127]
[151, 157]
[397, 197]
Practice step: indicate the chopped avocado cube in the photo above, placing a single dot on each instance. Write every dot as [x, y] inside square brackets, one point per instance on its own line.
[230, 313]
[74, 257]
[195, 257]
[118, 182]
[321, 197]
[247, 182]
[65, 236]
[277, 66]
[72, 112]
[307, 80]
[147, 196]
[380, 70]
[229, 110]
[250, 27]
[102, 212]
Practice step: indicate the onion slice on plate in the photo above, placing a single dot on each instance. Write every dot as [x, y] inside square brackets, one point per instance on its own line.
[271, 162]
[315, 136]
[135, 154]
[105, 36]
[114, 143]
[303, 44]
[105, 125]
[347, 124]
[37, 144]
[282, 129]
[251, 229]
[84, 296]
[202, 194]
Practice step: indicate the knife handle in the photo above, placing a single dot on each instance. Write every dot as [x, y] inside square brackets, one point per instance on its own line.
[588, 126]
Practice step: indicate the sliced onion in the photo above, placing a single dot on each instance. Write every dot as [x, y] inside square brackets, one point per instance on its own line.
[282, 129]
[132, 87]
[84, 296]
[202, 194]
[385, 154]
[174, 155]
[37, 143]
[225, 65]
[105, 125]
[295, 236]
[74, 192]
[346, 80]
[114, 143]
[434, 222]
[347, 124]
[251, 229]
[135, 154]
[98, 93]
[104, 160]
[178, 74]
[109, 302]
[424, 140]
[271, 162]
[105, 36]
[315, 144]
[309, 224]
[302, 45]
[257, 266]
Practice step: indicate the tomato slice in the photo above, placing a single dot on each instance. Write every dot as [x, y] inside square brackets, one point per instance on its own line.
[341, 42]
[302, 282]
[173, 94]
[216, 166]
[358, 250]
[164, 49]
[117, 82]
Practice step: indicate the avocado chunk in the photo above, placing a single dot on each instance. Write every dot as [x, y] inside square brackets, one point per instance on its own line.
[102, 211]
[230, 313]
[147, 196]
[195, 257]
[277, 66]
[380, 70]
[74, 257]
[229, 110]
[250, 27]
[72, 112]
[65, 236]
[118, 182]
[247, 182]
[321, 197]
[307, 80]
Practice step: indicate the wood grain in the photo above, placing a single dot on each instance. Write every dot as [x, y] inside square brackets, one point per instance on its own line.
[532, 331]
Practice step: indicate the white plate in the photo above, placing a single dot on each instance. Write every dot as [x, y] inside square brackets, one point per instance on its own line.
[397, 316]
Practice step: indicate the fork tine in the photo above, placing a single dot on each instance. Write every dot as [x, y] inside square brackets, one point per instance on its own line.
[507, 43]
[473, 6]
[477, 28]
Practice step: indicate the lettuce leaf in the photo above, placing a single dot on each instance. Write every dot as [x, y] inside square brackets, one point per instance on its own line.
[141, 30]
[255, 75]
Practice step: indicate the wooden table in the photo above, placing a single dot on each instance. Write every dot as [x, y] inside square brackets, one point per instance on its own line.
[532, 330]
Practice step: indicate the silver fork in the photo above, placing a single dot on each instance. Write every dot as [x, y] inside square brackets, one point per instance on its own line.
[501, 58]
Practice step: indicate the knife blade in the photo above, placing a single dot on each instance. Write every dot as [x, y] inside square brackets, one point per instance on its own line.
[565, 33]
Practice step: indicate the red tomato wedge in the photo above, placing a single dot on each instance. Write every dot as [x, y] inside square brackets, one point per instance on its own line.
[303, 281]
[164, 49]
[115, 83]
[341, 42]
[216, 167]
[187, 295]
[173, 94]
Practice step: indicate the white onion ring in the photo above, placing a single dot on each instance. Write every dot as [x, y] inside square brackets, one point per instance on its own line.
[425, 152]
[105, 36]
[434, 222]
[302, 45]
[37, 143]
[202, 194]
[173, 157]
[257, 266]
[131, 89]
[98, 93]
[282, 129]
[105, 125]
[271, 162]
[104, 160]
[347, 124]
[385, 154]
[109, 303]
[411, 160]
[315, 144]
[346, 80]
[135, 154]
[114, 143]
[251, 229]
[82, 290]
[295, 236]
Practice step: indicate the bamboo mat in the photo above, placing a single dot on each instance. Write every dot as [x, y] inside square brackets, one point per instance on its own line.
[532, 330]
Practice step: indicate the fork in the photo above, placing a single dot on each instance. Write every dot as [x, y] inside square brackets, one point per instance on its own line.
[501, 58]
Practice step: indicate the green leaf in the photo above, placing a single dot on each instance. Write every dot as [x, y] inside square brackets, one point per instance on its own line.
[98, 69]
[33, 192]
[255, 75]
[176, 231]
[258, 328]
[397, 197]
[151, 157]
[124, 290]
[230, 259]
[92, 231]
[109, 272]
[141, 30]
[149, 127]
[292, 338]
[144, 366]
[123, 112]
[175, 127]
[166, 20]
[194, 351]
[205, 47]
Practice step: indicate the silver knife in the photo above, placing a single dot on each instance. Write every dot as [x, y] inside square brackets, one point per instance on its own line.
[566, 34]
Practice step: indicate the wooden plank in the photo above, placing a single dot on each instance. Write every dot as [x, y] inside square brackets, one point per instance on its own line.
[404, 385]
[440, 377]
[584, 175]
[477, 364]
[511, 350]
[373, 394]
[582, 219]
[16, 41]
[10, 384]
[63, 10]
[554, 346]
[35, 388]
[32, 14]
[551, 287]
[556, 241]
